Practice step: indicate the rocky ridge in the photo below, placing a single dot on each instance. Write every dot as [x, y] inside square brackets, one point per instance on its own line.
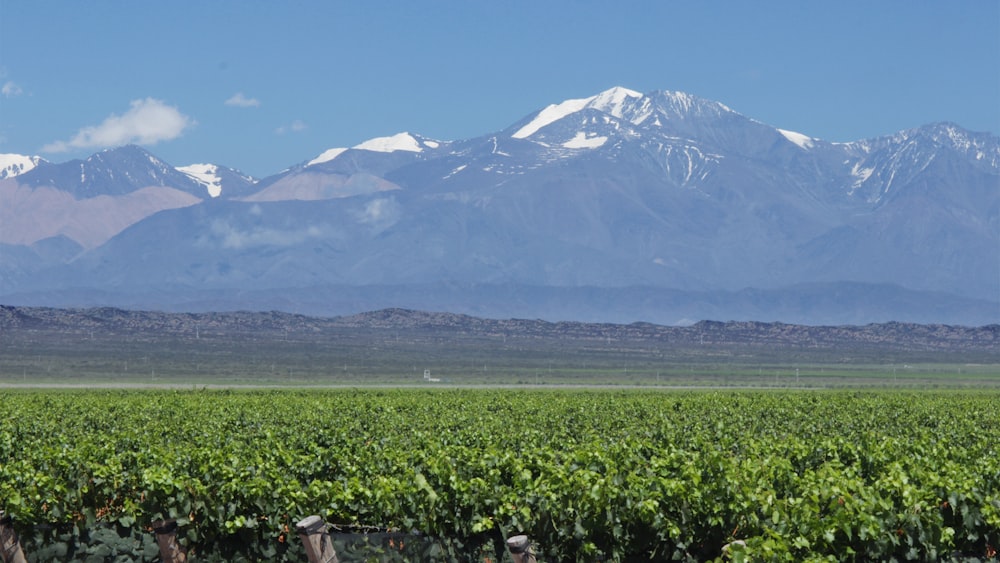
[892, 336]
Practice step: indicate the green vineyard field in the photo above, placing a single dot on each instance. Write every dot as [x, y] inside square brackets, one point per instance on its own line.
[588, 475]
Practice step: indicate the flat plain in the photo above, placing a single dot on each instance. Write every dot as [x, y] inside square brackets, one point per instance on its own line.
[434, 437]
[112, 347]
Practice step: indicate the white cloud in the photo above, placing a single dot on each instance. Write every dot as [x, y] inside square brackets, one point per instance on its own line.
[294, 127]
[241, 101]
[379, 213]
[229, 236]
[376, 209]
[10, 89]
[147, 122]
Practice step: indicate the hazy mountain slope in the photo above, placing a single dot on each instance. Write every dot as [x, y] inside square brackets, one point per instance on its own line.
[91, 200]
[29, 215]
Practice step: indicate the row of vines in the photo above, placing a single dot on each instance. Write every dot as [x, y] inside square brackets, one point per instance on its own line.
[587, 475]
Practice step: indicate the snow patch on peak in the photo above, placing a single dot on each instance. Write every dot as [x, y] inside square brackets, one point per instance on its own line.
[799, 139]
[612, 101]
[550, 114]
[398, 142]
[155, 161]
[682, 100]
[326, 156]
[861, 175]
[16, 164]
[583, 141]
[609, 101]
[206, 175]
[683, 104]
[953, 135]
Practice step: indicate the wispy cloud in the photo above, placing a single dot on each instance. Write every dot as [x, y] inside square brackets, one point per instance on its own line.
[379, 214]
[10, 89]
[294, 127]
[241, 101]
[230, 236]
[147, 122]
[379, 210]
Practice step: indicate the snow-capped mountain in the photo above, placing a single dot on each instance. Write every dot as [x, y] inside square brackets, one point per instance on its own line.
[89, 201]
[111, 172]
[647, 203]
[399, 142]
[668, 110]
[16, 164]
[118, 171]
[213, 177]
[347, 172]
[881, 164]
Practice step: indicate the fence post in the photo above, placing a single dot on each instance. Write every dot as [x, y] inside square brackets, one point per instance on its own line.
[313, 533]
[166, 539]
[520, 549]
[10, 547]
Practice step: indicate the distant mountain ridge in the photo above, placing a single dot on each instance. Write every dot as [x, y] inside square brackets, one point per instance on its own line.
[116, 172]
[888, 336]
[619, 192]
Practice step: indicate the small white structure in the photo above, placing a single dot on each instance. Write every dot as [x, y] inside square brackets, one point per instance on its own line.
[428, 378]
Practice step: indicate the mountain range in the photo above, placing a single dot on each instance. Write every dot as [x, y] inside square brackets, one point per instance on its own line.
[622, 206]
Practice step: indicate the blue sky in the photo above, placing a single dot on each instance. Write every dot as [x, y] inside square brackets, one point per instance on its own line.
[261, 86]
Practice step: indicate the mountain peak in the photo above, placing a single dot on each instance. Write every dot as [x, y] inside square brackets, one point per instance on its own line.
[127, 154]
[16, 164]
[404, 141]
[398, 142]
[980, 146]
[629, 105]
[114, 171]
[206, 175]
[127, 150]
[612, 101]
[683, 104]
[946, 132]
[218, 179]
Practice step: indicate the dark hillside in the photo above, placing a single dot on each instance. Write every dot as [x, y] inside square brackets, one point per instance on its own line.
[872, 341]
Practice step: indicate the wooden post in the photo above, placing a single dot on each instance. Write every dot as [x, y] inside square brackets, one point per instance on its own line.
[313, 533]
[166, 539]
[520, 549]
[10, 546]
